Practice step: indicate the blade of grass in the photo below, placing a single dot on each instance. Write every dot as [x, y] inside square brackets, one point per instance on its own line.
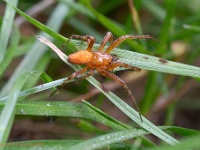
[38, 49]
[10, 53]
[190, 143]
[150, 93]
[53, 144]
[167, 24]
[109, 24]
[6, 28]
[85, 28]
[155, 9]
[104, 114]
[105, 8]
[35, 76]
[104, 140]
[133, 114]
[156, 64]
[192, 27]
[51, 26]
[182, 131]
[67, 109]
[135, 17]
[7, 115]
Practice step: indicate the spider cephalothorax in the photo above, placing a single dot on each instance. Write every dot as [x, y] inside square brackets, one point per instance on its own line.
[100, 60]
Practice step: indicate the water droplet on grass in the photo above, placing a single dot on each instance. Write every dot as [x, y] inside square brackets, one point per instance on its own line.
[48, 104]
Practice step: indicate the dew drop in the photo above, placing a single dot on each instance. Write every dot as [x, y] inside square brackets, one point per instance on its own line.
[22, 111]
[48, 104]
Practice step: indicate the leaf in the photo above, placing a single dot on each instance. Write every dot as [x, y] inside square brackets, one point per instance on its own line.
[6, 28]
[8, 112]
[67, 109]
[107, 139]
[37, 50]
[191, 143]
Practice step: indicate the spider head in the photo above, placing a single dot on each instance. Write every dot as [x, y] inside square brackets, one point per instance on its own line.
[80, 57]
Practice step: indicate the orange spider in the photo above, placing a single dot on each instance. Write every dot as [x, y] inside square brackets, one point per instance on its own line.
[101, 61]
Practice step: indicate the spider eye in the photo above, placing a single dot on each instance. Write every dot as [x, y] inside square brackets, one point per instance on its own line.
[80, 57]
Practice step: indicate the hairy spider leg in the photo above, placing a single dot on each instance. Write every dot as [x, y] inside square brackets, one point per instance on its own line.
[91, 72]
[123, 83]
[73, 75]
[89, 39]
[120, 64]
[121, 39]
[107, 37]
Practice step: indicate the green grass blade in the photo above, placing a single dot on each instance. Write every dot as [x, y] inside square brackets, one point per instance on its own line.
[11, 51]
[38, 49]
[191, 143]
[150, 94]
[104, 140]
[167, 24]
[41, 144]
[192, 27]
[110, 25]
[6, 28]
[105, 115]
[154, 9]
[8, 112]
[85, 29]
[133, 114]
[157, 64]
[51, 25]
[182, 131]
[67, 109]
[53, 145]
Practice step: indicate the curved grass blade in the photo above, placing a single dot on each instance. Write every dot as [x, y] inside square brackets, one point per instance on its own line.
[67, 109]
[37, 50]
[181, 131]
[192, 27]
[8, 112]
[11, 51]
[156, 64]
[104, 140]
[6, 28]
[51, 26]
[109, 24]
[190, 143]
[53, 145]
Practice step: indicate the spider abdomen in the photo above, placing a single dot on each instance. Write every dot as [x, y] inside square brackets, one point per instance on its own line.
[80, 57]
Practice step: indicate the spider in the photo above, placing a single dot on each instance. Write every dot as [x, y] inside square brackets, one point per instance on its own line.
[101, 61]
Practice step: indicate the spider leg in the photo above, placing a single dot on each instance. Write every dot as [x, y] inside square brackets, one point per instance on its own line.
[91, 72]
[114, 65]
[106, 38]
[121, 39]
[89, 39]
[74, 75]
[123, 83]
